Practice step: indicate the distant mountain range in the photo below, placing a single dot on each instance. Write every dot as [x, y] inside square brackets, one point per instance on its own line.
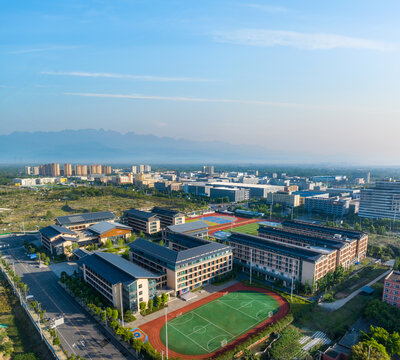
[91, 145]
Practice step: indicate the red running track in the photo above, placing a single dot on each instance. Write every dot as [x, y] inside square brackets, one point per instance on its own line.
[153, 328]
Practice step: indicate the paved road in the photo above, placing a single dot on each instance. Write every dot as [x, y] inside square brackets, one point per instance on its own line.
[80, 334]
[339, 303]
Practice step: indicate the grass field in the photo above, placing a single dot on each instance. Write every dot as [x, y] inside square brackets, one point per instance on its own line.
[251, 229]
[215, 324]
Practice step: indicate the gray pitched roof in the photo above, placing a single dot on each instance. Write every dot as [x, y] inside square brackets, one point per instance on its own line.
[114, 268]
[166, 211]
[145, 215]
[54, 230]
[104, 226]
[85, 218]
[278, 247]
[187, 227]
[178, 257]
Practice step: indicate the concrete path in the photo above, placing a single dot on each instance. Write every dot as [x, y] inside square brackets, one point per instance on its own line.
[339, 303]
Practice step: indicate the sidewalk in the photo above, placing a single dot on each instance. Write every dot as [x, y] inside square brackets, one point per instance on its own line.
[339, 303]
[176, 303]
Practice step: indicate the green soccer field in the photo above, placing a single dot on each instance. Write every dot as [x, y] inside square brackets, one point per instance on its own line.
[251, 229]
[215, 324]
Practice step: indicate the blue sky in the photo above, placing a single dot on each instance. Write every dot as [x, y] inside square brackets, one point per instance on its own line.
[304, 76]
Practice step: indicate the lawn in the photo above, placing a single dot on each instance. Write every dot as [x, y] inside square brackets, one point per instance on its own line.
[251, 229]
[215, 324]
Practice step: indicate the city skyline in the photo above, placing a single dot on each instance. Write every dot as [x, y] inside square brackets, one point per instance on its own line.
[312, 78]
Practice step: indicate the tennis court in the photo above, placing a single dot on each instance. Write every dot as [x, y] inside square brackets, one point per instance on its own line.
[215, 324]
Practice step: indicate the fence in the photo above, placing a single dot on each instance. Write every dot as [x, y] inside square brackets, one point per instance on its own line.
[58, 355]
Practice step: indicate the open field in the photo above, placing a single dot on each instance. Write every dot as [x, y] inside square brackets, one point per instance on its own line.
[20, 330]
[39, 208]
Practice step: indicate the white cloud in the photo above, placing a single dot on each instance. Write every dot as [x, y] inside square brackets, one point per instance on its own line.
[307, 41]
[225, 101]
[40, 49]
[125, 76]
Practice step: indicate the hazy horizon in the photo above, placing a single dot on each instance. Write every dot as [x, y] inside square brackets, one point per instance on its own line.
[312, 78]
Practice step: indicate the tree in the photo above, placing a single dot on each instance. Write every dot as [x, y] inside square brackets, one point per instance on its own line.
[150, 304]
[393, 344]
[121, 242]
[372, 229]
[164, 297]
[115, 314]
[381, 230]
[109, 312]
[142, 305]
[370, 348]
[109, 244]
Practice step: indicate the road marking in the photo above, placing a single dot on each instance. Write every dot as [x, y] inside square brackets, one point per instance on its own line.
[72, 322]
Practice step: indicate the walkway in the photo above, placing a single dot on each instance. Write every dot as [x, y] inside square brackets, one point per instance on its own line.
[176, 303]
[339, 303]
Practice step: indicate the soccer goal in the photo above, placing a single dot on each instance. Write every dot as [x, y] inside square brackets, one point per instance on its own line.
[270, 314]
[224, 342]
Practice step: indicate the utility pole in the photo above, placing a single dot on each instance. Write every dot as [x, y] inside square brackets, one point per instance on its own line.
[166, 330]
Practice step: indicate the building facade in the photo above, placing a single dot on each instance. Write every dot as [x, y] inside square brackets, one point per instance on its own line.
[381, 201]
[143, 221]
[168, 216]
[186, 264]
[121, 282]
[391, 289]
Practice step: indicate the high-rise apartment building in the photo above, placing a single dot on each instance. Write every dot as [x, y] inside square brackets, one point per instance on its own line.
[141, 169]
[147, 168]
[95, 169]
[52, 170]
[134, 169]
[208, 170]
[106, 169]
[67, 170]
[27, 170]
[35, 170]
[381, 201]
